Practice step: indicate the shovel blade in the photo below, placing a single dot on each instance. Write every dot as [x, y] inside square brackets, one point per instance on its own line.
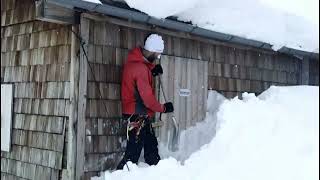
[174, 143]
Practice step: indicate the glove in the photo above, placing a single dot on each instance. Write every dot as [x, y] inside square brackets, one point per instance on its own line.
[168, 107]
[157, 70]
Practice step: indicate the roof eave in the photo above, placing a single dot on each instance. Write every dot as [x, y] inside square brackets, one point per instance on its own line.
[141, 17]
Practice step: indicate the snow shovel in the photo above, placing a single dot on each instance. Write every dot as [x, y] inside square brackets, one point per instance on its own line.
[174, 146]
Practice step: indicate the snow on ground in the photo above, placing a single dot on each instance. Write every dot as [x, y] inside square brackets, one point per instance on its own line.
[263, 20]
[272, 136]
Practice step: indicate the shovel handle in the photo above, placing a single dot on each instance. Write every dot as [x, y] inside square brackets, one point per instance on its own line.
[161, 86]
[165, 99]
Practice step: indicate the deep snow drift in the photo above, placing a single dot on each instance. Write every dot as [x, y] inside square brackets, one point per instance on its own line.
[268, 21]
[194, 137]
[272, 136]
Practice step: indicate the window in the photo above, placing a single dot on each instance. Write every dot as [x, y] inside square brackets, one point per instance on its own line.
[6, 116]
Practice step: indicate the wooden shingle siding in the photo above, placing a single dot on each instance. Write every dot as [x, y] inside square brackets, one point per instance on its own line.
[18, 169]
[50, 107]
[314, 72]
[104, 144]
[35, 57]
[10, 177]
[42, 90]
[258, 71]
[104, 126]
[40, 56]
[48, 124]
[39, 156]
[105, 73]
[96, 108]
[98, 162]
[109, 91]
[37, 73]
[40, 140]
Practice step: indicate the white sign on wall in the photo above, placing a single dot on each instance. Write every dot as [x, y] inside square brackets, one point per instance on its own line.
[6, 116]
[184, 92]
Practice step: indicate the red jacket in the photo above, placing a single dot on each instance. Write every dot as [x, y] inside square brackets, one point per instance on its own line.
[137, 93]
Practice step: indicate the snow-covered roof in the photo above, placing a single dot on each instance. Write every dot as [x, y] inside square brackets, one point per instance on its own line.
[251, 19]
[248, 21]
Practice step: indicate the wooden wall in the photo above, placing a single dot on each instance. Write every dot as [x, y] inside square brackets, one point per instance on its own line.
[314, 72]
[35, 57]
[232, 69]
[103, 129]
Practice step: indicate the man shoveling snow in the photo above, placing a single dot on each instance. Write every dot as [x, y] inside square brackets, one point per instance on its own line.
[139, 103]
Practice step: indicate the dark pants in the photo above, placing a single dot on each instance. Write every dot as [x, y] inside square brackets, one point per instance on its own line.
[147, 140]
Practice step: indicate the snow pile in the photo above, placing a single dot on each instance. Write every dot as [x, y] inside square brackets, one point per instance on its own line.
[194, 137]
[252, 19]
[272, 136]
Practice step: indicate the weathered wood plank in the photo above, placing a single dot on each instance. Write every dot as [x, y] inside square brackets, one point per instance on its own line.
[226, 72]
[105, 73]
[220, 53]
[23, 42]
[254, 73]
[256, 86]
[189, 79]
[231, 55]
[235, 71]
[96, 108]
[49, 124]
[210, 68]
[53, 107]
[82, 106]
[7, 176]
[73, 112]
[282, 77]
[34, 156]
[37, 73]
[106, 127]
[108, 55]
[47, 90]
[26, 170]
[194, 92]
[177, 86]
[231, 84]
[53, 142]
[109, 91]
[183, 100]
[101, 162]
[266, 75]
[203, 75]
[104, 144]
[238, 85]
